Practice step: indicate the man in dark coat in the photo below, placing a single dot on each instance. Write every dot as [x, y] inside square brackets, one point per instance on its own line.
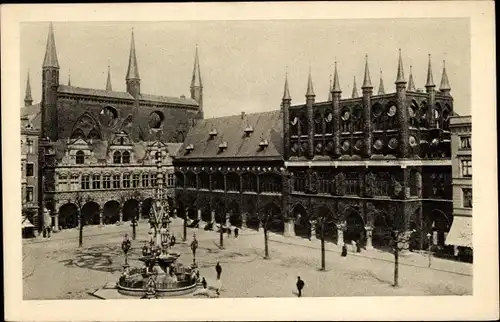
[236, 230]
[218, 269]
[344, 250]
[300, 285]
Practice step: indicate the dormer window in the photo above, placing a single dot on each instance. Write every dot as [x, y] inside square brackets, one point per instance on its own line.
[213, 133]
[189, 148]
[80, 157]
[223, 146]
[263, 143]
[248, 130]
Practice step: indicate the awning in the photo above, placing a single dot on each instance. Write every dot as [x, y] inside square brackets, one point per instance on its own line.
[461, 232]
[25, 223]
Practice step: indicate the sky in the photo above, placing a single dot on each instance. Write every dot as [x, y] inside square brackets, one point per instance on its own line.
[243, 63]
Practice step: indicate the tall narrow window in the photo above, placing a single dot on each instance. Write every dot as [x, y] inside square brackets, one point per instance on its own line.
[145, 180]
[117, 157]
[29, 194]
[466, 168]
[63, 182]
[126, 157]
[85, 182]
[171, 180]
[126, 180]
[96, 181]
[465, 142]
[467, 197]
[153, 180]
[29, 169]
[135, 180]
[29, 143]
[106, 181]
[80, 157]
[116, 181]
[74, 182]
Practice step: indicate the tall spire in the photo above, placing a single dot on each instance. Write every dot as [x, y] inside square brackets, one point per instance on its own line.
[69, 78]
[286, 92]
[411, 82]
[430, 79]
[108, 80]
[133, 69]
[196, 79]
[336, 84]
[445, 84]
[330, 89]
[310, 88]
[354, 89]
[367, 83]
[50, 59]
[400, 79]
[28, 100]
[381, 90]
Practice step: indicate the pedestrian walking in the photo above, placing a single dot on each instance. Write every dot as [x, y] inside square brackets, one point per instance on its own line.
[172, 241]
[228, 232]
[300, 285]
[218, 269]
[204, 283]
[344, 250]
[358, 247]
[236, 231]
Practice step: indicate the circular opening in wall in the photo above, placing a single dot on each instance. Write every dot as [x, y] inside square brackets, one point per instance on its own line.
[358, 111]
[377, 110]
[329, 117]
[108, 116]
[392, 110]
[393, 143]
[156, 119]
[378, 144]
[294, 121]
[346, 114]
[412, 140]
[345, 145]
[358, 145]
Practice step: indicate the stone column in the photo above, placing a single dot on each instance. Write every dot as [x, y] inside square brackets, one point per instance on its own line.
[313, 231]
[244, 220]
[228, 222]
[139, 210]
[56, 222]
[212, 216]
[340, 235]
[199, 214]
[289, 228]
[369, 235]
[120, 209]
[101, 216]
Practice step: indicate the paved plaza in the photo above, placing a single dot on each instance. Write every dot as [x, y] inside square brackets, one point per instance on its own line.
[56, 268]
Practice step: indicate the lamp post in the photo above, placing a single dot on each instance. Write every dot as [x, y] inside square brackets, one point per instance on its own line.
[133, 224]
[429, 247]
[194, 246]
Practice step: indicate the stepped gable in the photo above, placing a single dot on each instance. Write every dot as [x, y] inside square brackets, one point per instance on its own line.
[231, 129]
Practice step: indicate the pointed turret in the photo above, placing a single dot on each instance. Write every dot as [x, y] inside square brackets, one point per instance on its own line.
[133, 80]
[430, 80]
[444, 87]
[196, 84]
[336, 83]
[330, 96]
[367, 82]
[69, 78]
[28, 100]
[286, 92]
[50, 59]
[411, 82]
[400, 79]
[108, 80]
[354, 89]
[381, 89]
[310, 88]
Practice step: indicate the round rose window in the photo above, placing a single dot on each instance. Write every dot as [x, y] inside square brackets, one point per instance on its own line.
[393, 143]
[378, 144]
[358, 145]
[392, 110]
[345, 145]
[412, 140]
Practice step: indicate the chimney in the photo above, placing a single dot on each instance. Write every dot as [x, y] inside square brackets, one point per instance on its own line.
[242, 115]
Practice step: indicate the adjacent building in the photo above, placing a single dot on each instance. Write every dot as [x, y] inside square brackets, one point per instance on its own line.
[361, 165]
[97, 148]
[460, 235]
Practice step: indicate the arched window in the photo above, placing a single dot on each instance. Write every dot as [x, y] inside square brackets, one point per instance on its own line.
[233, 182]
[318, 123]
[126, 157]
[325, 182]
[190, 180]
[357, 119]
[294, 125]
[126, 180]
[179, 179]
[94, 135]
[249, 182]
[413, 113]
[345, 119]
[328, 122]
[117, 157]
[391, 110]
[85, 182]
[270, 183]
[80, 157]
[378, 118]
[299, 181]
[78, 134]
[303, 124]
[218, 181]
[204, 180]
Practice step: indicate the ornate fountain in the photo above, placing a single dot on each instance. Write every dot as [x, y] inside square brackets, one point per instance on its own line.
[162, 275]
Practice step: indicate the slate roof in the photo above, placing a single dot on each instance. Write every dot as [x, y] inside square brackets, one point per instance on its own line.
[230, 129]
[64, 89]
[33, 114]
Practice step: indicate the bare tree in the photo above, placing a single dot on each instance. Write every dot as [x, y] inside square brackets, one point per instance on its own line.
[265, 219]
[79, 205]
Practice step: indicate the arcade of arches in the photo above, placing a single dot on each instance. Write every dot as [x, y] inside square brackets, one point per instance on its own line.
[109, 213]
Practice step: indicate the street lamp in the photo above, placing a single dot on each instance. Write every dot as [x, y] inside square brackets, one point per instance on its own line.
[133, 224]
[429, 247]
[126, 247]
[194, 246]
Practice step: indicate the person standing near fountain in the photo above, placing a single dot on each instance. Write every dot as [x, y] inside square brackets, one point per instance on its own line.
[218, 270]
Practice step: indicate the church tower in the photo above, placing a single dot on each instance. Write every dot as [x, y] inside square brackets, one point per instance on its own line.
[50, 82]
[196, 85]
[133, 80]
[28, 100]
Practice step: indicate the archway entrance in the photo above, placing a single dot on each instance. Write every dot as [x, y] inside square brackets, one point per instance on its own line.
[234, 214]
[130, 209]
[275, 219]
[191, 213]
[90, 212]
[355, 227]
[440, 225]
[252, 221]
[68, 216]
[146, 207]
[329, 226]
[302, 225]
[111, 212]
[206, 214]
